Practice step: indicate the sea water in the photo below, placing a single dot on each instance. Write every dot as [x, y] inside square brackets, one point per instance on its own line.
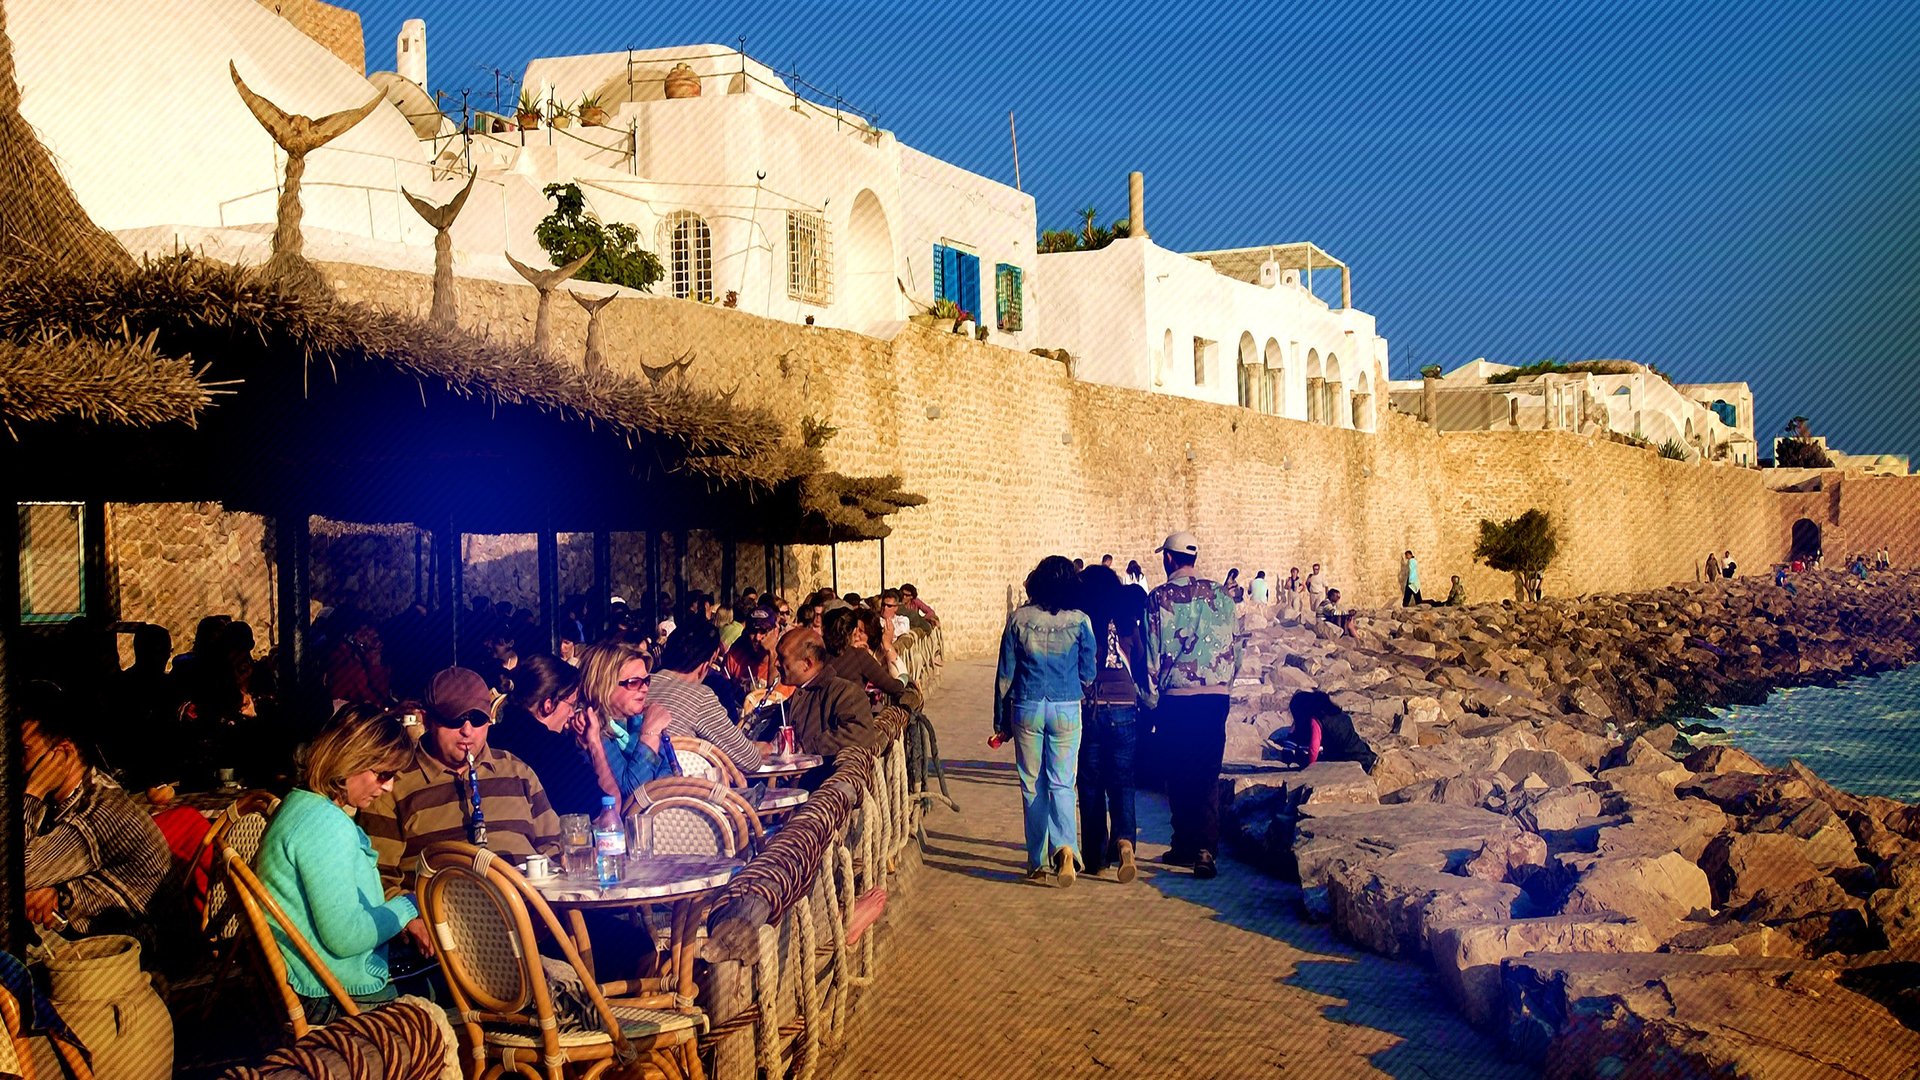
[1862, 736]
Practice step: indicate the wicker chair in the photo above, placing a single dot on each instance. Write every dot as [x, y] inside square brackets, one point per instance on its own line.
[484, 915]
[749, 832]
[686, 825]
[239, 829]
[718, 766]
[261, 913]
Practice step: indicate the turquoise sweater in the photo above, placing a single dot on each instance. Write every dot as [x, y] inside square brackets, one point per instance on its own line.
[320, 868]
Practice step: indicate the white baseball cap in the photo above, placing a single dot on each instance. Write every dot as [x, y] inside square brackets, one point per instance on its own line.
[1181, 543]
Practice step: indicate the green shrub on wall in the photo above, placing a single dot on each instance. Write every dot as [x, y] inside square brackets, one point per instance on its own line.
[1522, 546]
[572, 230]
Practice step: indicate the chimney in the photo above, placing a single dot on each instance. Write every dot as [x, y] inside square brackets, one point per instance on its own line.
[410, 52]
[1136, 206]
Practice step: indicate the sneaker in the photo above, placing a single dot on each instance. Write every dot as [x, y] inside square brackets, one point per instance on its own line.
[1037, 875]
[1203, 867]
[1126, 871]
[1178, 858]
[1063, 871]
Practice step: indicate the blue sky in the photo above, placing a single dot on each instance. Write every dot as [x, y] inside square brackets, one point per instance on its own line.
[1729, 191]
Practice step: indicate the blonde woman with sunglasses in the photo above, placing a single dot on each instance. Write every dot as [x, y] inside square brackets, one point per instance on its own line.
[319, 865]
[613, 694]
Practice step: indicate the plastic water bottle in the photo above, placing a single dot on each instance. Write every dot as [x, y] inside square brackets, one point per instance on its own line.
[609, 845]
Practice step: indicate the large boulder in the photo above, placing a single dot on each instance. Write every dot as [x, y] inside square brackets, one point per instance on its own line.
[1263, 805]
[1558, 809]
[1827, 842]
[1744, 793]
[1657, 890]
[1552, 768]
[1392, 907]
[1896, 911]
[1740, 865]
[1723, 759]
[1668, 1016]
[1817, 914]
[1467, 956]
[1686, 826]
[1332, 836]
[1399, 767]
[1580, 747]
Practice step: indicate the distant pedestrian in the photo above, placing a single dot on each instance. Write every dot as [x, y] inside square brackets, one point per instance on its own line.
[1293, 592]
[1193, 655]
[1261, 591]
[1047, 663]
[1410, 581]
[1713, 567]
[1886, 558]
[1107, 830]
[1233, 586]
[1106, 561]
[1322, 731]
[1457, 595]
[1726, 566]
[1316, 588]
[1331, 610]
[1079, 565]
[1137, 578]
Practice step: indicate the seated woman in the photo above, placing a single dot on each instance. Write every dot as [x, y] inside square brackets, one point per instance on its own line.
[1322, 731]
[850, 657]
[613, 694]
[541, 722]
[319, 866]
[678, 686]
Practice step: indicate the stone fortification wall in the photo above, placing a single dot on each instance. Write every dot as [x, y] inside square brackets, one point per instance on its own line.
[335, 28]
[1020, 461]
[172, 563]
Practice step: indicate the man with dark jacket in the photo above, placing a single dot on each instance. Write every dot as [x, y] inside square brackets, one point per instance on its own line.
[828, 713]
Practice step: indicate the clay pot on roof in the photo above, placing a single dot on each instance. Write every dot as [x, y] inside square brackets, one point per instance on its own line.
[682, 82]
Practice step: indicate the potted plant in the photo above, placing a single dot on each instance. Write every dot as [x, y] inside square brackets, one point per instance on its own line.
[590, 111]
[963, 323]
[981, 333]
[527, 113]
[562, 116]
[942, 311]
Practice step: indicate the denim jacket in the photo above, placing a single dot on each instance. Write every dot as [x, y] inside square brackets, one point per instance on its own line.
[1046, 657]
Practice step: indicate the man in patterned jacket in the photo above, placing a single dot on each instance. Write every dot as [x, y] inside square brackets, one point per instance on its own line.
[1193, 655]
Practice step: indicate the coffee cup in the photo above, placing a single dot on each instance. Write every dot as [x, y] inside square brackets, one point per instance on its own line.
[537, 866]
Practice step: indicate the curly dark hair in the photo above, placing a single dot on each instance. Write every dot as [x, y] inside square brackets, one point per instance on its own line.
[691, 645]
[837, 629]
[1054, 585]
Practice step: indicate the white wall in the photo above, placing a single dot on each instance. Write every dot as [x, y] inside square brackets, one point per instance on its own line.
[945, 204]
[1116, 308]
[135, 102]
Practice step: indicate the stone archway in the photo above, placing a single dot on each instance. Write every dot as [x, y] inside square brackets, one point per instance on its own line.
[872, 294]
[1806, 539]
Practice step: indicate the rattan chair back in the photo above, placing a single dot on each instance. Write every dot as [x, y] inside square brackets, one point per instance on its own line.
[749, 832]
[239, 828]
[717, 765]
[686, 825]
[263, 916]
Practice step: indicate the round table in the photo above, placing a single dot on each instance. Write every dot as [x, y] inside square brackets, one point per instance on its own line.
[797, 765]
[686, 884]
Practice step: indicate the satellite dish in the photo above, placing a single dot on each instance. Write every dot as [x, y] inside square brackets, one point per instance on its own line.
[404, 94]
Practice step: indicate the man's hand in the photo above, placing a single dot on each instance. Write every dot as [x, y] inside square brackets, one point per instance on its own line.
[43, 908]
[422, 939]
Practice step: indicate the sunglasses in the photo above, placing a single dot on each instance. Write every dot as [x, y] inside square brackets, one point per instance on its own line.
[635, 683]
[385, 776]
[476, 718]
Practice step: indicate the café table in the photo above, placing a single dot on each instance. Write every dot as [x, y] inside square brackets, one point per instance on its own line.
[687, 885]
[773, 771]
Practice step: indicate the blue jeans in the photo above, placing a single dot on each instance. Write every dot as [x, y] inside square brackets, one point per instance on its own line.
[1106, 784]
[1046, 751]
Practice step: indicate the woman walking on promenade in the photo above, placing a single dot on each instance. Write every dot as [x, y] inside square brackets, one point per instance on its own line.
[1106, 755]
[1047, 656]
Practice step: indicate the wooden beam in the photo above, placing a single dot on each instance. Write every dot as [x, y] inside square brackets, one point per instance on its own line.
[547, 543]
[293, 561]
[13, 867]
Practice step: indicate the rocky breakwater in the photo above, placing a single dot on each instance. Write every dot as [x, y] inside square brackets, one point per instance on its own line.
[1606, 898]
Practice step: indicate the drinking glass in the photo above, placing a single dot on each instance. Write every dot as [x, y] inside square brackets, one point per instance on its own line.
[576, 836]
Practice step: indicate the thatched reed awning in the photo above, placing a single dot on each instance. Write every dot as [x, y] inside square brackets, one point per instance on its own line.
[371, 415]
[55, 377]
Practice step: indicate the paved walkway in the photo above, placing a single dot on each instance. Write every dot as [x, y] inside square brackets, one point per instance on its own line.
[984, 975]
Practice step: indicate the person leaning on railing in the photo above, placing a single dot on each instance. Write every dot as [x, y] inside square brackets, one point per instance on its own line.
[321, 868]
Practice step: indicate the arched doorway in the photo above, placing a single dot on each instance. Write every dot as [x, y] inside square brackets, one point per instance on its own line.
[1337, 410]
[1806, 539]
[1316, 388]
[687, 243]
[1249, 372]
[1363, 403]
[872, 294]
[1276, 378]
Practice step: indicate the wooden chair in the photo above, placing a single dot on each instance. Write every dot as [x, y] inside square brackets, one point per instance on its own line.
[257, 907]
[484, 915]
[239, 828]
[688, 825]
[750, 833]
[710, 756]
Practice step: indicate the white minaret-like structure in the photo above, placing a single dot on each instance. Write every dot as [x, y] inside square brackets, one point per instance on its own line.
[410, 52]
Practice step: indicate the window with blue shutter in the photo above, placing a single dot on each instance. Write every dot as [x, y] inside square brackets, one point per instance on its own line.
[956, 277]
[1007, 296]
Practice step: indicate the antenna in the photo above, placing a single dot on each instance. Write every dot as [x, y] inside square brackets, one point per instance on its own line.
[498, 77]
[1015, 133]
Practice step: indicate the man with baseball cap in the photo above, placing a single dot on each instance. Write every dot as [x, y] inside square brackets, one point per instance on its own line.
[432, 799]
[1193, 654]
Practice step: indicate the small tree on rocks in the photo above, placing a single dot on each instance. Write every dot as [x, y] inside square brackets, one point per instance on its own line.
[1522, 546]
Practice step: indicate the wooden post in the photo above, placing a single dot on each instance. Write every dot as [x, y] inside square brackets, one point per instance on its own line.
[13, 867]
[679, 569]
[446, 576]
[730, 575]
[833, 553]
[292, 557]
[419, 567]
[100, 603]
[770, 585]
[653, 578]
[602, 577]
[547, 551]
[883, 564]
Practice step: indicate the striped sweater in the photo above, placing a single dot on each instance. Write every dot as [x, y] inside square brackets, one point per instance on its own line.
[429, 803]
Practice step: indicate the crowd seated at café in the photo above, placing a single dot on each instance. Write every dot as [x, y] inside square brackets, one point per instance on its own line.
[412, 756]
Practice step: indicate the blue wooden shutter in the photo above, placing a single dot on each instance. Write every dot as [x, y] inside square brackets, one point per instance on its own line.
[946, 274]
[969, 290]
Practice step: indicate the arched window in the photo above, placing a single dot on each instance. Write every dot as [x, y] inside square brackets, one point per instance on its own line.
[688, 244]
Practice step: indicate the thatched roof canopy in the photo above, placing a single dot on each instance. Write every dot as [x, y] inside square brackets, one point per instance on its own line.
[373, 415]
[55, 377]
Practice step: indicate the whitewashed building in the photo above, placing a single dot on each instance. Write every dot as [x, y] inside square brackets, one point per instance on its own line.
[1237, 327]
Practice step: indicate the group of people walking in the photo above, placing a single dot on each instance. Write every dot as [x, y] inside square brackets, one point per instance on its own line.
[1078, 663]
